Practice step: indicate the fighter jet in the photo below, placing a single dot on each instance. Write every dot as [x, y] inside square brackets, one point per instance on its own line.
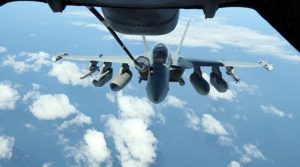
[158, 67]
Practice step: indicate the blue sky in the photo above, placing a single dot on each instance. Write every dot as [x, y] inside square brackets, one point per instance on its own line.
[49, 117]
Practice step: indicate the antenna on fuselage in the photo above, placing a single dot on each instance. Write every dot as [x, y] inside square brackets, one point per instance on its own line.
[183, 36]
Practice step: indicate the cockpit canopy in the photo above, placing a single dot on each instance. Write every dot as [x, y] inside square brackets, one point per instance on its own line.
[160, 54]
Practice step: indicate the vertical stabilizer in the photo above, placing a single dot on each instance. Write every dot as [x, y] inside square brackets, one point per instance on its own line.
[146, 46]
[183, 36]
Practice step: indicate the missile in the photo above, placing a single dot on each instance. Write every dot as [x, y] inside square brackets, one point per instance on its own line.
[231, 72]
[92, 68]
[89, 72]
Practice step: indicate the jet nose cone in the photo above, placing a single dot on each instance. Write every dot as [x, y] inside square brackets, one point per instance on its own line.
[156, 100]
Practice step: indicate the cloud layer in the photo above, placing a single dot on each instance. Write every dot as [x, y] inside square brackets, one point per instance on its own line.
[214, 34]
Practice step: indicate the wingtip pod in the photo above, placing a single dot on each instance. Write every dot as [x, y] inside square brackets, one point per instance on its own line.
[266, 65]
[59, 57]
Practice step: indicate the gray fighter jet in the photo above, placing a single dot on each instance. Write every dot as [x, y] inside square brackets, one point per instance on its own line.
[158, 67]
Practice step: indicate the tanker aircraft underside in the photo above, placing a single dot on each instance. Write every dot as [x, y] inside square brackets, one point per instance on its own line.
[158, 67]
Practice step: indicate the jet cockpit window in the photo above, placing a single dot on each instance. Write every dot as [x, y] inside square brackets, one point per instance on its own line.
[160, 54]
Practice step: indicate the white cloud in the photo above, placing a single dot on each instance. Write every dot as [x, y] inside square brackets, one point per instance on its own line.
[79, 120]
[245, 159]
[29, 61]
[193, 121]
[79, 13]
[2, 49]
[30, 126]
[8, 96]
[251, 152]
[269, 109]
[216, 108]
[39, 59]
[18, 66]
[6, 147]
[134, 141]
[91, 151]
[34, 93]
[110, 97]
[241, 117]
[212, 126]
[244, 87]
[65, 142]
[173, 101]
[97, 26]
[229, 95]
[68, 73]
[51, 107]
[234, 164]
[135, 107]
[224, 140]
[161, 118]
[47, 164]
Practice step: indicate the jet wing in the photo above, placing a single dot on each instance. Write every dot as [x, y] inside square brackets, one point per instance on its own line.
[188, 63]
[111, 59]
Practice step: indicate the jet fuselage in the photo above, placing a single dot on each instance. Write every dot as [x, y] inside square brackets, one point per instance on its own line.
[159, 74]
